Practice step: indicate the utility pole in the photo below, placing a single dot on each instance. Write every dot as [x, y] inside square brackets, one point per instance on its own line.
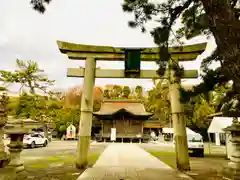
[178, 120]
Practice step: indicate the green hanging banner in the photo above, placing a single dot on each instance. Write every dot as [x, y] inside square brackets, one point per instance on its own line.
[132, 63]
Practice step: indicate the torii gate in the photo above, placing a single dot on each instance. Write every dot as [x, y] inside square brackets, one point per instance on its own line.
[132, 58]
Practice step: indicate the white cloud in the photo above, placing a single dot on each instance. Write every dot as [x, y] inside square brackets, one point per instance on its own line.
[28, 35]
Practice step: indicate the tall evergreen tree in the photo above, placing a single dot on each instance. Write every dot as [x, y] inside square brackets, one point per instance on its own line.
[198, 17]
[28, 75]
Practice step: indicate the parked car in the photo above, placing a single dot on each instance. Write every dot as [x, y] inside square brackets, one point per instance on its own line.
[98, 137]
[195, 144]
[49, 135]
[146, 138]
[167, 137]
[34, 140]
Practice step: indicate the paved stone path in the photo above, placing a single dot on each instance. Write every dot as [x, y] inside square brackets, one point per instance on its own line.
[129, 162]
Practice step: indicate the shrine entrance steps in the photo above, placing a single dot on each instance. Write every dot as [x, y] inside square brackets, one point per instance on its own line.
[122, 161]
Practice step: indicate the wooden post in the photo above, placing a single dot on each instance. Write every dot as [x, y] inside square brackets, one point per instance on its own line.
[85, 124]
[179, 124]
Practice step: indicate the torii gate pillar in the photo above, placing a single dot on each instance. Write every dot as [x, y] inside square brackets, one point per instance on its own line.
[86, 114]
[179, 122]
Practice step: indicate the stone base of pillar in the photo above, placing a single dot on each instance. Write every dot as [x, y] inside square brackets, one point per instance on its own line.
[18, 167]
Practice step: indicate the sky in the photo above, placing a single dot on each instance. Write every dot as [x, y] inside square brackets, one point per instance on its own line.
[27, 35]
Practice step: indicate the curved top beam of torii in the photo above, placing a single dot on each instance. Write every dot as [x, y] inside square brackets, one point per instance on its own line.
[109, 53]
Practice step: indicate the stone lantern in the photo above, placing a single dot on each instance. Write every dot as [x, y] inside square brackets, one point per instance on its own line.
[3, 121]
[16, 130]
[232, 171]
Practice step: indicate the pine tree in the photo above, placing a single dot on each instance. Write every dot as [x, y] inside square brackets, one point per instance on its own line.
[28, 75]
[198, 17]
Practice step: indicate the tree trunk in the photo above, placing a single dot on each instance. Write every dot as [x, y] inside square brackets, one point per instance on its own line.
[225, 26]
[32, 88]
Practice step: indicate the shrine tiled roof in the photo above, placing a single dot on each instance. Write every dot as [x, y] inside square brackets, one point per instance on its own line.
[110, 107]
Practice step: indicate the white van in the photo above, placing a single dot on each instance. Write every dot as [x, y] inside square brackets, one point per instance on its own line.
[195, 141]
[195, 144]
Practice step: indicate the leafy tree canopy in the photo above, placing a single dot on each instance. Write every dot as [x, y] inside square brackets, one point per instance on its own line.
[45, 110]
[139, 92]
[74, 95]
[106, 94]
[119, 92]
[126, 91]
[219, 18]
[158, 103]
[198, 17]
[28, 75]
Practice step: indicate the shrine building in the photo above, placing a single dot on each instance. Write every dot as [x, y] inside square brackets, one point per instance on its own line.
[129, 117]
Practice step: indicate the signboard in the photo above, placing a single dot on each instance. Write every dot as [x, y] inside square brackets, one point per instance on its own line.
[71, 132]
[132, 63]
[113, 134]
